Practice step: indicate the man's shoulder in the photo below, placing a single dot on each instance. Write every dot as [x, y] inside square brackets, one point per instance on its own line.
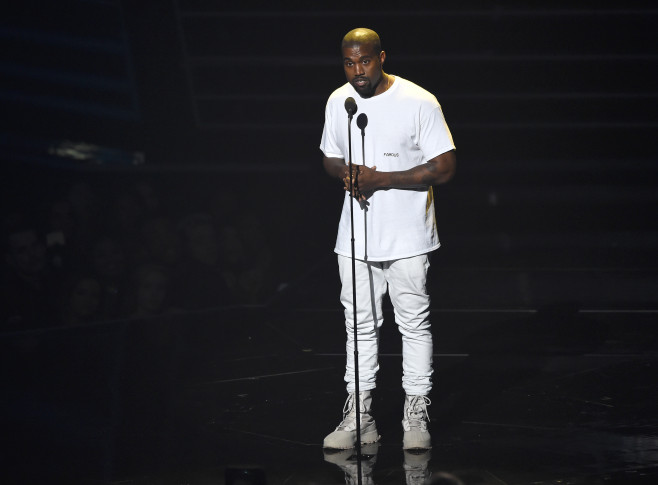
[411, 89]
[342, 92]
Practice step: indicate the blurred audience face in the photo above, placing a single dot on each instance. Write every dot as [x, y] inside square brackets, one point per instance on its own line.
[126, 212]
[84, 300]
[251, 228]
[151, 291]
[26, 254]
[61, 218]
[203, 244]
[232, 251]
[82, 200]
[161, 240]
[149, 196]
[108, 259]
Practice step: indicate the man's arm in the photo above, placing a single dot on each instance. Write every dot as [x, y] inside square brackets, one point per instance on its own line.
[436, 171]
[335, 167]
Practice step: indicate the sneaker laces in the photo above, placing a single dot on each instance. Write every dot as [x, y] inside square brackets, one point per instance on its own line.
[415, 414]
[349, 416]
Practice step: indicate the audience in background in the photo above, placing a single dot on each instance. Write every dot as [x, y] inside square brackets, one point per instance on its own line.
[124, 217]
[75, 261]
[148, 294]
[108, 262]
[80, 300]
[28, 283]
[202, 279]
[159, 242]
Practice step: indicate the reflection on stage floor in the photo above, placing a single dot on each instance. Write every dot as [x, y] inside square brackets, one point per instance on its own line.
[557, 394]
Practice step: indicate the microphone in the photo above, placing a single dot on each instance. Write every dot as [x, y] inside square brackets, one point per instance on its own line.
[362, 122]
[350, 106]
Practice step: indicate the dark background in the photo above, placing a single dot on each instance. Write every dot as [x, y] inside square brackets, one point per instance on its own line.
[218, 109]
[552, 108]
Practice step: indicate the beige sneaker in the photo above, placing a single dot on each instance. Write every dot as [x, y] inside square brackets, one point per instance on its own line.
[415, 422]
[344, 437]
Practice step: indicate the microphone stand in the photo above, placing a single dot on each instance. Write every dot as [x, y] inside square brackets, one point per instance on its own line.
[357, 400]
[361, 122]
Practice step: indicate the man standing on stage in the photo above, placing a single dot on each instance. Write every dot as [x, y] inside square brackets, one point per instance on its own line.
[408, 149]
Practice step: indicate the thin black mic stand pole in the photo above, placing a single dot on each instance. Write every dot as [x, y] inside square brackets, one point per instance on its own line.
[357, 400]
[362, 122]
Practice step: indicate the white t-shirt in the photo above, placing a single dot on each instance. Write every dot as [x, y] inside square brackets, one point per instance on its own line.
[406, 128]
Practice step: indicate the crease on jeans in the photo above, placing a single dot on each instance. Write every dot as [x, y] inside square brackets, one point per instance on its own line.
[373, 303]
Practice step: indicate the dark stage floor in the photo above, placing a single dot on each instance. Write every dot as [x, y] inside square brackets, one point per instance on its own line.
[524, 394]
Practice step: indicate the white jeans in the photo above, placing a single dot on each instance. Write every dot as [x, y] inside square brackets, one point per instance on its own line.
[406, 281]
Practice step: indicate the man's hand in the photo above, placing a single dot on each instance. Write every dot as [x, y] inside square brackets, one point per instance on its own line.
[346, 182]
[436, 171]
[355, 184]
[366, 181]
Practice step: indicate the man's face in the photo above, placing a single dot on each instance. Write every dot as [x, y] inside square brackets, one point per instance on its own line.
[363, 68]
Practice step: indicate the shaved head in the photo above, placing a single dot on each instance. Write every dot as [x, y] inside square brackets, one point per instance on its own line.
[362, 36]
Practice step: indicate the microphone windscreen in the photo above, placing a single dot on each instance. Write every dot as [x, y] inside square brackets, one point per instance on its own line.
[350, 106]
[362, 121]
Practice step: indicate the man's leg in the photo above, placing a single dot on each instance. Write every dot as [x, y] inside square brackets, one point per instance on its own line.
[370, 289]
[407, 279]
[370, 286]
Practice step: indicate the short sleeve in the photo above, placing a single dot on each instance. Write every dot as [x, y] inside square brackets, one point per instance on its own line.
[435, 137]
[329, 144]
